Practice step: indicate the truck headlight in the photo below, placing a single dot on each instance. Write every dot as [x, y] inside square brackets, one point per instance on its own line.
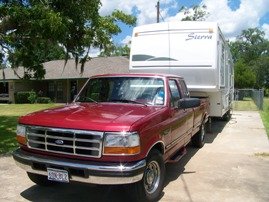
[124, 143]
[21, 134]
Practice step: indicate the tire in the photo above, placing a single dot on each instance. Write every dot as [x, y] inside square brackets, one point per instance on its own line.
[40, 180]
[198, 140]
[151, 186]
[227, 116]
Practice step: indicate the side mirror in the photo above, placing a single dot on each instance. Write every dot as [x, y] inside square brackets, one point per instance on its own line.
[189, 103]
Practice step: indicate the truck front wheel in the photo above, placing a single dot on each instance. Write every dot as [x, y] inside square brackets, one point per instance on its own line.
[40, 180]
[151, 186]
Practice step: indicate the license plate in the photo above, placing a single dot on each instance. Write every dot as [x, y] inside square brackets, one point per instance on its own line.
[58, 175]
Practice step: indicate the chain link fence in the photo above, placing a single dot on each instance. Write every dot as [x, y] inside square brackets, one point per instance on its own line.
[256, 95]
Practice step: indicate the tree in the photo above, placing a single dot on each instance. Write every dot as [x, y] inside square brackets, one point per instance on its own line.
[195, 13]
[244, 76]
[115, 50]
[251, 55]
[31, 29]
[250, 45]
[261, 68]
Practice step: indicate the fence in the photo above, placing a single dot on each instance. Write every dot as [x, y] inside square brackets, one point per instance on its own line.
[256, 95]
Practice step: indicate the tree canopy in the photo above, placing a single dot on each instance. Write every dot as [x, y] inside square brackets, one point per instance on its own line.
[36, 31]
[116, 50]
[195, 13]
[250, 51]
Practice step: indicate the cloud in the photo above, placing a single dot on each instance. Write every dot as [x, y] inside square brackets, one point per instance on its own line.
[94, 52]
[265, 28]
[232, 22]
[145, 11]
[127, 40]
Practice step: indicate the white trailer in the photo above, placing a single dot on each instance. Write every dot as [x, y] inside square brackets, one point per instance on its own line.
[196, 51]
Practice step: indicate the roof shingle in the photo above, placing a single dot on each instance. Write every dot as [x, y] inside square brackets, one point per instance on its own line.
[56, 70]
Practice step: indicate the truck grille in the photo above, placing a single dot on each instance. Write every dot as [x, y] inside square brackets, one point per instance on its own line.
[65, 141]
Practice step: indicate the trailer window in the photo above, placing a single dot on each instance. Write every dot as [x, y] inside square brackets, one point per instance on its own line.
[222, 66]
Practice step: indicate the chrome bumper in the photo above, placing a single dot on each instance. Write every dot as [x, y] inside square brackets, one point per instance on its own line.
[94, 173]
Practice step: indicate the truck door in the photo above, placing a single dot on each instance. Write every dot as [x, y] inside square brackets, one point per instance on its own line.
[180, 119]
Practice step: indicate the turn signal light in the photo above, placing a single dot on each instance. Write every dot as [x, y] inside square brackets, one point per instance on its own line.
[122, 150]
[21, 139]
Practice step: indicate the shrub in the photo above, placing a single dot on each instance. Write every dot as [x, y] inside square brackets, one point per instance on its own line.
[22, 97]
[25, 97]
[43, 100]
[32, 97]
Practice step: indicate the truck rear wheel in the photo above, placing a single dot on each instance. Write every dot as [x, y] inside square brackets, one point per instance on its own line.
[151, 186]
[198, 140]
[40, 180]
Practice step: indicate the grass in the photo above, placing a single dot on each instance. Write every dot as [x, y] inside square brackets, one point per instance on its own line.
[245, 105]
[9, 115]
[263, 154]
[248, 105]
[265, 115]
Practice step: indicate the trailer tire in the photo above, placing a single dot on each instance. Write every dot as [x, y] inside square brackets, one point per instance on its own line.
[227, 116]
[198, 140]
[40, 180]
[151, 186]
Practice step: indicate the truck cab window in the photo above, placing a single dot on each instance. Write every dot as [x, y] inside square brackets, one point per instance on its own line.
[175, 96]
[147, 91]
[184, 89]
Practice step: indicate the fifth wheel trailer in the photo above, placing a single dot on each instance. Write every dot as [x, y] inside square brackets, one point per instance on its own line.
[196, 51]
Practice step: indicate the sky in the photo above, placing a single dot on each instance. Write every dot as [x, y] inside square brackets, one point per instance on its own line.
[233, 16]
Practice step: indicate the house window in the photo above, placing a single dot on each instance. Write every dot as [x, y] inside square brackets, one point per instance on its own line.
[60, 86]
[51, 87]
[60, 90]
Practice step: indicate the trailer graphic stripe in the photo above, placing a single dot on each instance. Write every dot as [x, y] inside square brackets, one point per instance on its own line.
[141, 57]
[170, 66]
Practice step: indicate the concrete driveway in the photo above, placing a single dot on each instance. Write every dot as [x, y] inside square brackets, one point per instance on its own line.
[232, 166]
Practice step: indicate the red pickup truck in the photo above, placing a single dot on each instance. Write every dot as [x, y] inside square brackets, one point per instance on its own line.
[120, 129]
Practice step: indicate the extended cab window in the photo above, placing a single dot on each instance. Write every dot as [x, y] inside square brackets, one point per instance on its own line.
[142, 90]
[175, 96]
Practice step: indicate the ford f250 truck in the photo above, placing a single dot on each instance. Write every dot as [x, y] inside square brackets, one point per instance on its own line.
[120, 129]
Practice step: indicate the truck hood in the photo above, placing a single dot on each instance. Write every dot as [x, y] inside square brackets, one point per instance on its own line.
[91, 116]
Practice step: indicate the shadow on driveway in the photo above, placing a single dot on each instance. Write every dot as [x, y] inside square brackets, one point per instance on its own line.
[75, 192]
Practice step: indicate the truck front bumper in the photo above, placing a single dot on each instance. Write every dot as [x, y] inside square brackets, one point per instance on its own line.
[82, 171]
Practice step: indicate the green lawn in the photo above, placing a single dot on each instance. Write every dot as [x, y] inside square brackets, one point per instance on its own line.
[245, 105]
[265, 114]
[248, 105]
[9, 115]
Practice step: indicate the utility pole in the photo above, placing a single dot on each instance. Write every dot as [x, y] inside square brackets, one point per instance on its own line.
[158, 11]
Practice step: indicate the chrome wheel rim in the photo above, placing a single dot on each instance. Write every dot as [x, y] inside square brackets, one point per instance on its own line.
[152, 177]
[202, 132]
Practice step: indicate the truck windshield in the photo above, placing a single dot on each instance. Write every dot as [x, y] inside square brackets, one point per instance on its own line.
[147, 91]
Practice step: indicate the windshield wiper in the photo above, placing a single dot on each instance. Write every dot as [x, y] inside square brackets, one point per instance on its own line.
[128, 101]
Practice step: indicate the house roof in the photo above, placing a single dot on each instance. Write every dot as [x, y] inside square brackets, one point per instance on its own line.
[56, 70]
